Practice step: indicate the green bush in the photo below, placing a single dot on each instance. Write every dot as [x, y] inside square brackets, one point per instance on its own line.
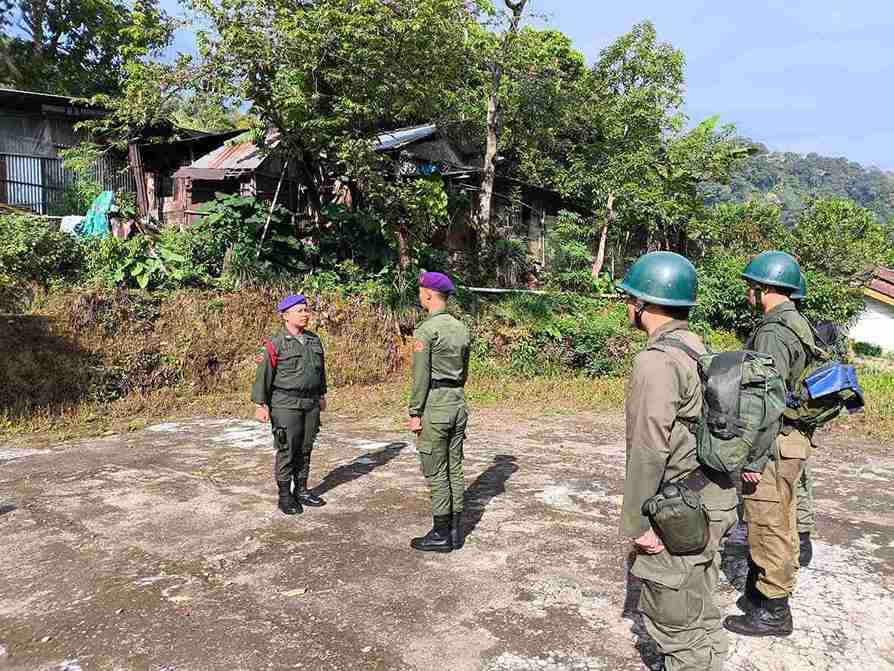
[552, 334]
[140, 262]
[570, 244]
[33, 248]
[831, 300]
[722, 296]
[226, 241]
[867, 349]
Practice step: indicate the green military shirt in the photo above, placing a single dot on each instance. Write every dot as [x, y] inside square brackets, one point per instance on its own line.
[782, 334]
[664, 398]
[440, 353]
[300, 374]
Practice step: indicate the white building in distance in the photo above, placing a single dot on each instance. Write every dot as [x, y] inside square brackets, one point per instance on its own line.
[875, 324]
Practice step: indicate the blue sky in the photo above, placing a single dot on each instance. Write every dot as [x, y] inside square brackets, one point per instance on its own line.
[797, 75]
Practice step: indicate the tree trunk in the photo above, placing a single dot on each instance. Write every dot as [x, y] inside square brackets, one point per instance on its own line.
[610, 218]
[34, 18]
[403, 246]
[495, 119]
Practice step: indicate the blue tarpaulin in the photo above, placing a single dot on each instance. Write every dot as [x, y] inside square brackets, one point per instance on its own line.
[833, 379]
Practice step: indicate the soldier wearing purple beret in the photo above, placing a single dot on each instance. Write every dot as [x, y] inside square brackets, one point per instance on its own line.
[438, 411]
[290, 392]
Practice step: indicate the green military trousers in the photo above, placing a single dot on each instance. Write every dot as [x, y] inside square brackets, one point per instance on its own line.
[440, 448]
[804, 495]
[294, 448]
[677, 602]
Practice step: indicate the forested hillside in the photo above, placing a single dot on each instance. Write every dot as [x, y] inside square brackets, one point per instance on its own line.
[790, 179]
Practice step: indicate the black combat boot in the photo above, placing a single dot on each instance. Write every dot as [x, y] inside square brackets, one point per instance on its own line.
[457, 539]
[309, 499]
[436, 540]
[751, 598]
[772, 618]
[287, 503]
[805, 552]
[303, 495]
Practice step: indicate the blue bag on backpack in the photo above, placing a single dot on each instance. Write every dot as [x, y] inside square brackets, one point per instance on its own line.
[836, 378]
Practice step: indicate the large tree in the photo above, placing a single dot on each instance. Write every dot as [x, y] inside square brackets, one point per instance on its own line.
[77, 47]
[633, 159]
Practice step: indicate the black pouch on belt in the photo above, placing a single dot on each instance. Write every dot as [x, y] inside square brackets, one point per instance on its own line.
[279, 435]
[679, 518]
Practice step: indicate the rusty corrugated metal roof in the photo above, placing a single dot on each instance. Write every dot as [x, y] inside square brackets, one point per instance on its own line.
[881, 286]
[232, 160]
[885, 275]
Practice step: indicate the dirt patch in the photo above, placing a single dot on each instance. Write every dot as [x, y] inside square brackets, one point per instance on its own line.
[162, 549]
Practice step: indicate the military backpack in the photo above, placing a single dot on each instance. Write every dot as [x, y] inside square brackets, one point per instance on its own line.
[827, 386]
[743, 399]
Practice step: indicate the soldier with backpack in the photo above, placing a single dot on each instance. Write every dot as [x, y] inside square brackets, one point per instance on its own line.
[769, 485]
[675, 510]
[290, 393]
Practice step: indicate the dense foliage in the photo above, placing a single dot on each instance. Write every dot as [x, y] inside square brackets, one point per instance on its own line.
[77, 47]
[791, 180]
[35, 249]
[325, 78]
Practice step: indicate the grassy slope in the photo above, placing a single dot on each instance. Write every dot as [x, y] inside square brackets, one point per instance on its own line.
[89, 362]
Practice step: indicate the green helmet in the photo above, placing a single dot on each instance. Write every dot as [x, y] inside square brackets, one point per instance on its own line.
[801, 292]
[662, 278]
[774, 269]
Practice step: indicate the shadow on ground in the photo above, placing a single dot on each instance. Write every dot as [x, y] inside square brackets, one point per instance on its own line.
[487, 486]
[361, 466]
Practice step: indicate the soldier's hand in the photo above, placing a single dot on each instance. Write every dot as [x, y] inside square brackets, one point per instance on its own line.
[751, 476]
[415, 424]
[649, 543]
[262, 414]
[323, 404]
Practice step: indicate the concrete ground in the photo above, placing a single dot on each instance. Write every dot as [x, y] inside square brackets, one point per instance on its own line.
[162, 550]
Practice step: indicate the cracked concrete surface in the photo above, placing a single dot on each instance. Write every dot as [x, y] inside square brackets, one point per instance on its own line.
[162, 550]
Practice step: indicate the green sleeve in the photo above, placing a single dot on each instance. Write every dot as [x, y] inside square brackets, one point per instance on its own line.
[323, 387]
[421, 372]
[260, 390]
[769, 341]
[651, 408]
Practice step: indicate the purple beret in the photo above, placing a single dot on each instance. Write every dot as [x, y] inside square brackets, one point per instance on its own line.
[438, 282]
[291, 301]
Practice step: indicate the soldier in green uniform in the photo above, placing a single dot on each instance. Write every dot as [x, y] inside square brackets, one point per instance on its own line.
[438, 412]
[806, 514]
[290, 392]
[664, 400]
[770, 499]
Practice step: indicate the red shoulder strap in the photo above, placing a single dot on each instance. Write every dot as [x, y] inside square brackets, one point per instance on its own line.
[271, 350]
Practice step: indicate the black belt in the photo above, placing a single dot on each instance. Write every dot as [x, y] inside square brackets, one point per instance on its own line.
[702, 477]
[445, 384]
[297, 393]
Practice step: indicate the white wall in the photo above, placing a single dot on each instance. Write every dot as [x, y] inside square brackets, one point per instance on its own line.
[875, 325]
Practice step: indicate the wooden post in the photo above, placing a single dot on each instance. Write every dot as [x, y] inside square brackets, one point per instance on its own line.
[282, 174]
[139, 176]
